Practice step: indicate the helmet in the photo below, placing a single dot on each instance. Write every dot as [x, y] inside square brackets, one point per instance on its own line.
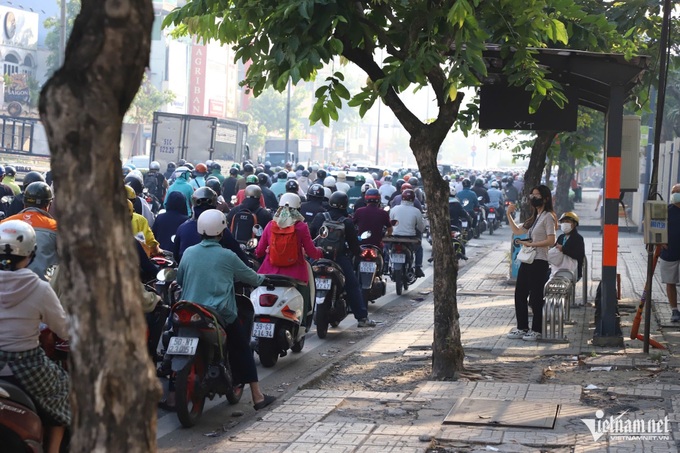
[291, 200]
[447, 178]
[342, 176]
[413, 181]
[263, 179]
[233, 171]
[2, 170]
[171, 166]
[321, 173]
[372, 196]
[387, 178]
[155, 165]
[338, 200]
[300, 167]
[327, 193]
[359, 179]
[291, 175]
[408, 195]
[204, 196]
[571, 215]
[406, 186]
[31, 176]
[251, 179]
[130, 192]
[201, 169]
[181, 162]
[292, 186]
[37, 194]
[211, 223]
[216, 166]
[209, 164]
[248, 168]
[17, 238]
[494, 185]
[126, 170]
[214, 184]
[304, 173]
[365, 187]
[190, 166]
[267, 164]
[452, 190]
[10, 171]
[375, 175]
[236, 166]
[135, 182]
[181, 172]
[466, 183]
[407, 176]
[315, 191]
[281, 175]
[253, 191]
[479, 182]
[398, 184]
[329, 181]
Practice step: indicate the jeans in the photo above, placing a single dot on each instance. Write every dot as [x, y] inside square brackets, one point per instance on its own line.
[531, 278]
[352, 287]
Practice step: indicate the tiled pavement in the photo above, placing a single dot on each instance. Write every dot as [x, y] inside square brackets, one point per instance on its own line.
[317, 420]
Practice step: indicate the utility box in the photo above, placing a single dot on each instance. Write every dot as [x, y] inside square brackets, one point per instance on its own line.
[630, 153]
[656, 222]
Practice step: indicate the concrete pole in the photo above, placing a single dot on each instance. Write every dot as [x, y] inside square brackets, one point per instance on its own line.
[62, 33]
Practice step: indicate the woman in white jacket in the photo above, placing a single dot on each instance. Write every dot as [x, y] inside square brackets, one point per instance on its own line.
[25, 303]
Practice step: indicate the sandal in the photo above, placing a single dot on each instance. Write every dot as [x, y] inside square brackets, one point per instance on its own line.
[268, 399]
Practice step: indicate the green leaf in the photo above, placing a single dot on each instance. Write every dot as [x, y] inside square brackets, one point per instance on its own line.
[560, 32]
[302, 10]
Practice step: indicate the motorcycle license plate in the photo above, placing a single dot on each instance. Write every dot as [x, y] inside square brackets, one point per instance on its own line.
[182, 346]
[463, 224]
[263, 330]
[491, 216]
[367, 266]
[323, 283]
[398, 258]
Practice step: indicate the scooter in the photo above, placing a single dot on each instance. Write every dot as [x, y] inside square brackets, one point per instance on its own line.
[401, 261]
[330, 300]
[198, 359]
[21, 428]
[370, 270]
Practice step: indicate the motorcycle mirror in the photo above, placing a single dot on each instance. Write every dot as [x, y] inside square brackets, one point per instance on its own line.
[386, 209]
[172, 238]
[323, 232]
[479, 198]
[394, 222]
[365, 235]
[258, 230]
[252, 243]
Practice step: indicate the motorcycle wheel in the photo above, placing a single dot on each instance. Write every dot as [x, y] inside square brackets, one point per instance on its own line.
[397, 274]
[189, 398]
[268, 352]
[298, 345]
[477, 232]
[322, 315]
[491, 225]
[232, 397]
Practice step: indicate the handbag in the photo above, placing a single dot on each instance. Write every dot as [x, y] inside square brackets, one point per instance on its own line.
[526, 254]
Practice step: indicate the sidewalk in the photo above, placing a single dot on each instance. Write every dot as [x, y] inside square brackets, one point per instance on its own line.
[322, 420]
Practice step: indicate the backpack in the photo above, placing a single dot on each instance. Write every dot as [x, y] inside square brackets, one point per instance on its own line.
[242, 225]
[334, 243]
[151, 183]
[284, 250]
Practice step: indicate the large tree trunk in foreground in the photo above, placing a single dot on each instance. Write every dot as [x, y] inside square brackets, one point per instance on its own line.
[114, 388]
[532, 177]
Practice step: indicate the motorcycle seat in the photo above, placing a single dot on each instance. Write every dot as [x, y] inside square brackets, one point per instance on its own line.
[284, 280]
[16, 394]
[405, 239]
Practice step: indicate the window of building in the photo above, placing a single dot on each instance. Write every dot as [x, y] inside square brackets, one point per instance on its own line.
[11, 64]
[27, 67]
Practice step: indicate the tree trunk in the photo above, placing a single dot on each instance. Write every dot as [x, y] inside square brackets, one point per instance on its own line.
[447, 350]
[114, 387]
[532, 177]
[564, 176]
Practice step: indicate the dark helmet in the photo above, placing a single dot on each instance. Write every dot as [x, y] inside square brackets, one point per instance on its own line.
[339, 200]
[253, 191]
[31, 176]
[408, 195]
[10, 171]
[406, 186]
[305, 173]
[359, 179]
[398, 184]
[321, 174]
[479, 182]
[300, 167]
[372, 196]
[248, 168]
[37, 194]
[204, 196]
[282, 175]
[171, 166]
[413, 181]
[134, 182]
[216, 166]
[263, 179]
[181, 162]
[387, 178]
[466, 183]
[292, 186]
[214, 184]
[233, 171]
[315, 191]
[267, 165]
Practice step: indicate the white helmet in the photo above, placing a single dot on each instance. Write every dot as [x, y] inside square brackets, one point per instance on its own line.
[365, 187]
[291, 175]
[329, 181]
[211, 223]
[17, 238]
[327, 193]
[452, 190]
[290, 199]
[342, 176]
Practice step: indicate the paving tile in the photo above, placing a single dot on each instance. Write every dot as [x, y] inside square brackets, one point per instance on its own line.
[471, 434]
[539, 438]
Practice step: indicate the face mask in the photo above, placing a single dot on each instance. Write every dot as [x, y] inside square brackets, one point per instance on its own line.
[566, 227]
[537, 202]
[675, 198]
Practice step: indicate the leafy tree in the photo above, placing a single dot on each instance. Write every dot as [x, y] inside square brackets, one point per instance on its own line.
[114, 388]
[428, 42]
[148, 100]
[53, 24]
[269, 110]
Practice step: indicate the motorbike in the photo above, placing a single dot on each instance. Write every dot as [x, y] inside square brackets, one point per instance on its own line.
[198, 359]
[370, 270]
[480, 216]
[458, 243]
[401, 261]
[21, 428]
[493, 218]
